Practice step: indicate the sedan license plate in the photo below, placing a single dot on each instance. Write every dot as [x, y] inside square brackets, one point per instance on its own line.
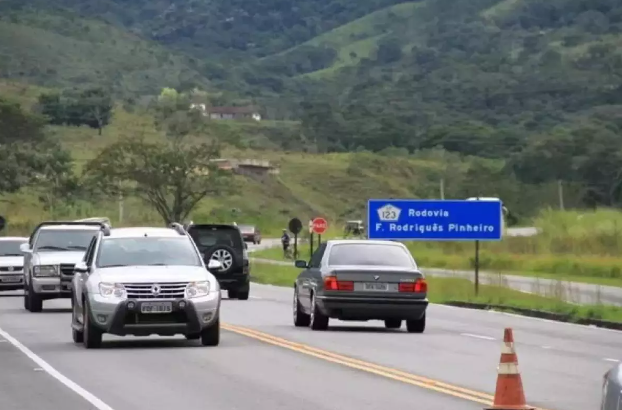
[156, 307]
[10, 279]
[373, 286]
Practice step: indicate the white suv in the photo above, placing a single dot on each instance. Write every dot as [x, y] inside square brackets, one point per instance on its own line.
[144, 281]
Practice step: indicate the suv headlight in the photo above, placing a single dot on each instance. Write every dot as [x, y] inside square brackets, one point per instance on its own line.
[112, 290]
[197, 289]
[46, 270]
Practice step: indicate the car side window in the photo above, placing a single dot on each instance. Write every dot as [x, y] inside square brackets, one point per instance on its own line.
[316, 259]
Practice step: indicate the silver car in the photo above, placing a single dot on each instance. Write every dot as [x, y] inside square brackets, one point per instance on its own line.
[144, 281]
[11, 263]
[360, 280]
[612, 389]
[49, 257]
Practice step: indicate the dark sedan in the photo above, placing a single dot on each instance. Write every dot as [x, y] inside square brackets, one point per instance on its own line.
[360, 280]
[612, 389]
[250, 233]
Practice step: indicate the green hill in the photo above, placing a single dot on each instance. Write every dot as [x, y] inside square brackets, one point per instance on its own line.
[333, 185]
[60, 49]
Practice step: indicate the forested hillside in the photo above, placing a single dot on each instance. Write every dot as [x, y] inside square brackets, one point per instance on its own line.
[535, 83]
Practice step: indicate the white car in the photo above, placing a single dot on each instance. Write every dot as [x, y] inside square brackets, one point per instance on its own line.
[144, 281]
[49, 257]
[11, 263]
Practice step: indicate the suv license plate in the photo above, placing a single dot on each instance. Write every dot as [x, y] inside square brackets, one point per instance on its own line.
[10, 279]
[382, 287]
[156, 307]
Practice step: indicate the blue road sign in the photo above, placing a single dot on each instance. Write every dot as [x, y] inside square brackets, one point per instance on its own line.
[434, 220]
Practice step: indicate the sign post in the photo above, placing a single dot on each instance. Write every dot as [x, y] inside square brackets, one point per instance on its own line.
[2, 223]
[319, 226]
[436, 220]
[295, 226]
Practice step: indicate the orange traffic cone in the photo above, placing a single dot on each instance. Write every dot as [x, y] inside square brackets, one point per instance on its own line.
[509, 394]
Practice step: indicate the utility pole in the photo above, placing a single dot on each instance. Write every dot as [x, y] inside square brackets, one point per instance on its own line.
[120, 209]
[560, 194]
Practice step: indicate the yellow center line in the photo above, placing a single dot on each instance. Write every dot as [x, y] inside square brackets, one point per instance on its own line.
[391, 373]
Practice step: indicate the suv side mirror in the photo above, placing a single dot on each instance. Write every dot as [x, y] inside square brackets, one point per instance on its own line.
[214, 265]
[245, 245]
[25, 248]
[81, 267]
[301, 264]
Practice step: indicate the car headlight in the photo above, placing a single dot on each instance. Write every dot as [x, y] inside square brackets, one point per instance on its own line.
[46, 270]
[112, 290]
[197, 289]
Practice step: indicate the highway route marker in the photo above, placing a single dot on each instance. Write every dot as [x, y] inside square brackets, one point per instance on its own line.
[436, 220]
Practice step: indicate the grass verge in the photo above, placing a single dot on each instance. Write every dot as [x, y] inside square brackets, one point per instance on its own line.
[446, 290]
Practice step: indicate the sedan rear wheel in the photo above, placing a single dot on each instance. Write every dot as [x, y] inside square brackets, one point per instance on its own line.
[301, 319]
[319, 321]
[416, 326]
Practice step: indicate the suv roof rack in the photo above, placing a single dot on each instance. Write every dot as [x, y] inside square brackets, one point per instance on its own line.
[102, 219]
[103, 226]
[179, 228]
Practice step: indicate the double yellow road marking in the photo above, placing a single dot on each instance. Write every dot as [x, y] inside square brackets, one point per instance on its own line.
[387, 372]
[394, 374]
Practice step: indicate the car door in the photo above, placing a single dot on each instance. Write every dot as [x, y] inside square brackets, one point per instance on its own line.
[307, 280]
[79, 278]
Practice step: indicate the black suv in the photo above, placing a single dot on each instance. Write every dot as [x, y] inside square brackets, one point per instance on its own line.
[224, 243]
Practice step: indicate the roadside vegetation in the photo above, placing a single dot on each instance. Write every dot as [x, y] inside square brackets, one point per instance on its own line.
[446, 290]
[580, 246]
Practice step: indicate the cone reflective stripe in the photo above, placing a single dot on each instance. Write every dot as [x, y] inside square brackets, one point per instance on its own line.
[509, 394]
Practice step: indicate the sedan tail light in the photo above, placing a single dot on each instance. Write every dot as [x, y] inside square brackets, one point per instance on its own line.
[419, 286]
[331, 283]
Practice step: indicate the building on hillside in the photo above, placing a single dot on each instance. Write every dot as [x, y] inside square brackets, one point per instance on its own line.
[227, 113]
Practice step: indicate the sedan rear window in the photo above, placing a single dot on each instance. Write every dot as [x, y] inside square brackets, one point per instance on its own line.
[370, 255]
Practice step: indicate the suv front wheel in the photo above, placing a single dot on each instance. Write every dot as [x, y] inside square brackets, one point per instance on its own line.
[92, 335]
[210, 336]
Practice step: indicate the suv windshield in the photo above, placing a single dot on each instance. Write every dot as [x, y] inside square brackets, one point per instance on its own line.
[370, 255]
[11, 248]
[206, 237]
[142, 251]
[55, 240]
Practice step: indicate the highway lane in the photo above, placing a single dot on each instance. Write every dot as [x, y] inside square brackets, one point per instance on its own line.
[168, 373]
[562, 364]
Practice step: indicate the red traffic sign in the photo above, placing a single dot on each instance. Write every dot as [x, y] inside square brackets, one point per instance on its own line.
[319, 225]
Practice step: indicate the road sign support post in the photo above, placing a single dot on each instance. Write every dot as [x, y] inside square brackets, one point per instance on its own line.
[476, 268]
[295, 227]
[295, 246]
[310, 245]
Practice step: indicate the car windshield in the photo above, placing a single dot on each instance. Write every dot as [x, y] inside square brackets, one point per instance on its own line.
[56, 240]
[143, 251]
[370, 255]
[211, 236]
[11, 248]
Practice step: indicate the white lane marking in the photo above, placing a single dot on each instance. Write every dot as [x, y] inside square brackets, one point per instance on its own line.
[611, 360]
[546, 347]
[94, 401]
[3, 341]
[255, 297]
[477, 336]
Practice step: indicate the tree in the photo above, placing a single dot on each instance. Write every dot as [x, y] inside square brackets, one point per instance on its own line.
[27, 156]
[170, 176]
[91, 107]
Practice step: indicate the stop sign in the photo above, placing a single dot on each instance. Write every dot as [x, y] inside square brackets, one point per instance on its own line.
[319, 225]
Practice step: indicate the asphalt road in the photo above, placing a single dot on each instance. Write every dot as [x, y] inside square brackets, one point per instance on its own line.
[264, 362]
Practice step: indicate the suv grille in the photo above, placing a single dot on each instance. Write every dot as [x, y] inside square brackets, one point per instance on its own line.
[175, 290]
[66, 269]
[13, 269]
